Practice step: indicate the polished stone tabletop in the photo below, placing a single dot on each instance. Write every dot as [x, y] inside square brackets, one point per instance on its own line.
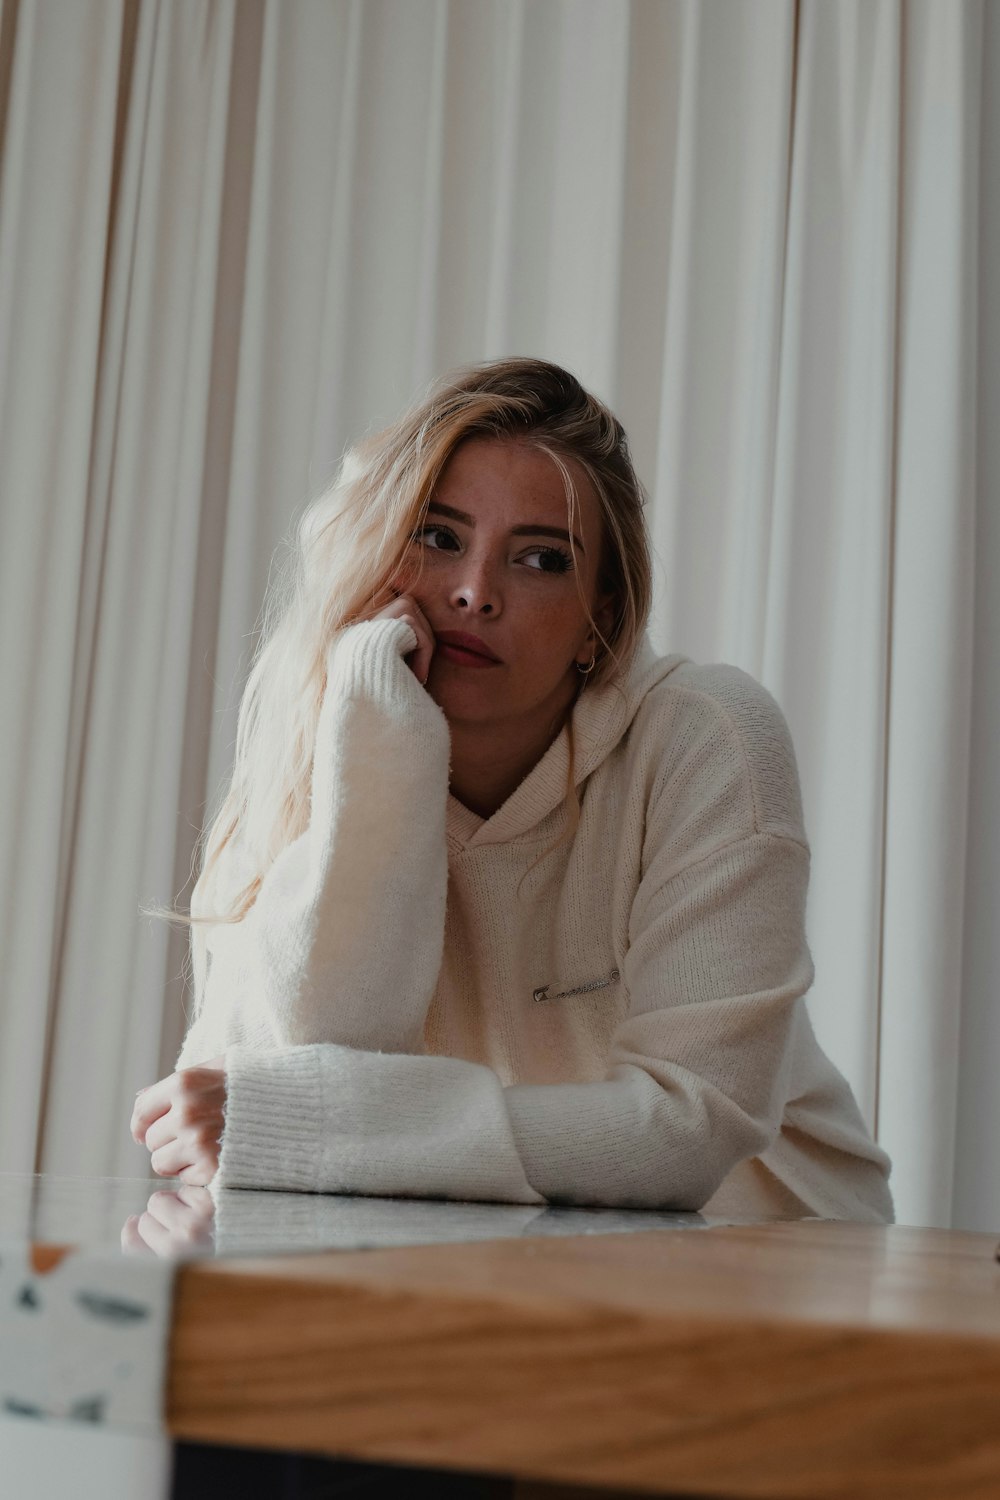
[167, 1218]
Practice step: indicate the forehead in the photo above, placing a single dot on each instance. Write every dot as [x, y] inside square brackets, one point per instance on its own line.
[503, 475]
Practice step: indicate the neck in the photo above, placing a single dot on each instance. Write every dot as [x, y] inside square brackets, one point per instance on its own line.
[489, 761]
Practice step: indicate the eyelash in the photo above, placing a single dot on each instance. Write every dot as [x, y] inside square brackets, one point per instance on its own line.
[563, 559]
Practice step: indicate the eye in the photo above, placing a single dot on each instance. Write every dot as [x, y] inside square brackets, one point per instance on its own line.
[551, 559]
[439, 538]
[424, 533]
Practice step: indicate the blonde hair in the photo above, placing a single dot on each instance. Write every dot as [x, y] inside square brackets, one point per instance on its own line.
[353, 540]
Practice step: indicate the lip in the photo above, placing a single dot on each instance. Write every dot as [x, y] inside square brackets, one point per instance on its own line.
[468, 643]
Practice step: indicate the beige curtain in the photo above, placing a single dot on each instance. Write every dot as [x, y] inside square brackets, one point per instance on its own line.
[233, 235]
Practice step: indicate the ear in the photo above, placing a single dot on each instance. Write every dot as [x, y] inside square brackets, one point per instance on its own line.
[604, 613]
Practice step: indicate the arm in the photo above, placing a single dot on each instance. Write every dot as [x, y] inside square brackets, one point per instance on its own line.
[343, 943]
[698, 1070]
[695, 1084]
[717, 961]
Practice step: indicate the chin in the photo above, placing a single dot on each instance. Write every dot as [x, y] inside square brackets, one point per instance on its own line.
[473, 696]
[458, 708]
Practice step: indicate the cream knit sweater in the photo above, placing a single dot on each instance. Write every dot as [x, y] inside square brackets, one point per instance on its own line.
[414, 1007]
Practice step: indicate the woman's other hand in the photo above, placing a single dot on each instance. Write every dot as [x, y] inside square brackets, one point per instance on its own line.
[405, 607]
[174, 1223]
[180, 1121]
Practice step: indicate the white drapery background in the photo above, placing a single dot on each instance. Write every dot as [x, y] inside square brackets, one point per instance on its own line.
[232, 236]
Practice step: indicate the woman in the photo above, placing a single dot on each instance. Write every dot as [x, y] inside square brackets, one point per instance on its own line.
[500, 904]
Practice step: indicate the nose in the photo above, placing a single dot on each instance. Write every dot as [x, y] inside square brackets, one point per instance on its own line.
[476, 589]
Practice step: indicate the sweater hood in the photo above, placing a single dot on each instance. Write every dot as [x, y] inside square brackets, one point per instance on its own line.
[601, 716]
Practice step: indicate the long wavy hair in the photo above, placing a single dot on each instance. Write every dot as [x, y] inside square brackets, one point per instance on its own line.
[354, 538]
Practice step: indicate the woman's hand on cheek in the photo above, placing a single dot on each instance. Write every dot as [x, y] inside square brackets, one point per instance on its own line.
[180, 1121]
[405, 607]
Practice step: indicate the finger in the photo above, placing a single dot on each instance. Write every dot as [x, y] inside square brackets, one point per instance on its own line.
[419, 659]
[193, 1159]
[131, 1240]
[425, 651]
[196, 1102]
[202, 1172]
[187, 1227]
[150, 1104]
[171, 1159]
[156, 1237]
[133, 1131]
[176, 1211]
[405, 607]
[162, 1131]
[199, 1200]
[402, 604]
[166, 1208]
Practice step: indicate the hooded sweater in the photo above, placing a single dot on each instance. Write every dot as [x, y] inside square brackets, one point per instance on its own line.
[424, 1002]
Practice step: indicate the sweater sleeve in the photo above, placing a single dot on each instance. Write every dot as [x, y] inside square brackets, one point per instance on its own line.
[331, 1119]
[343, 943]
[716, 964]
[697, 1080]
[715, 970]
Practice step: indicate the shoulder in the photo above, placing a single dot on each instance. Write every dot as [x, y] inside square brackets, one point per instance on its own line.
[715, 736]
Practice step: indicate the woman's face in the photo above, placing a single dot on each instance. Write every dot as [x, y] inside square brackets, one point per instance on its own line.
[497, 565]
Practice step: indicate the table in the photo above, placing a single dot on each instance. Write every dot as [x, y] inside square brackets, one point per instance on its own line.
[784, 1359]
[571, 1347]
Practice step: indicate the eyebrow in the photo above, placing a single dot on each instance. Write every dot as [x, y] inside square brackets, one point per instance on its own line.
[461, 515]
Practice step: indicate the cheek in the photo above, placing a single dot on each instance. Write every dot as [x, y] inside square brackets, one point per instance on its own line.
[551, 636]
[559, 615]
[407, 579]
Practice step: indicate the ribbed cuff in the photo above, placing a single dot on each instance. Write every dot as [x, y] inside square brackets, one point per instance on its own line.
[274, 1120]
[366, 656]
[366, 663]
[333, 1119]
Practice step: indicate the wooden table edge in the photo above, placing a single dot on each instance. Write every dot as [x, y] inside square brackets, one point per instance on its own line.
[449, 1356]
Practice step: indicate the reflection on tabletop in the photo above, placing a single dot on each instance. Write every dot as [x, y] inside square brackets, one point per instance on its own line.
[170, 1219]
[188, 1221]
[175, 1224]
